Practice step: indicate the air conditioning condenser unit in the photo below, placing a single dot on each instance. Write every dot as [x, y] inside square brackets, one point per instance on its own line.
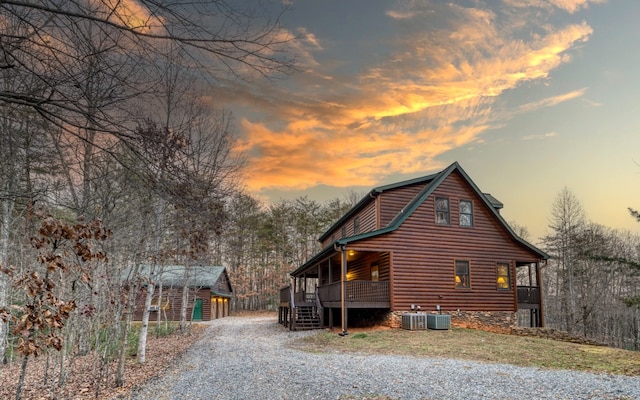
[414, 321]
[438, 321]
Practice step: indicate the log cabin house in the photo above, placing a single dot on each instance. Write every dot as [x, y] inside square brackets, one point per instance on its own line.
[209, 288]
[434, 243]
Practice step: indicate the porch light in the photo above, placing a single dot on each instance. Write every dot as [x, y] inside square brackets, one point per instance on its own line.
[352, 252]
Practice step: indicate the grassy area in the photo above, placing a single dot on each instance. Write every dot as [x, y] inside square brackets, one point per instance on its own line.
[469, 344]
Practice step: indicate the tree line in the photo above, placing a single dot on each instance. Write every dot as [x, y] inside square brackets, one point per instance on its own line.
[114, 154]
[592, 281]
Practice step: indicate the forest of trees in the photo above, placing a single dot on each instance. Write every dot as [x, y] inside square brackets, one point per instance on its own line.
[592, 281]
[113, 155]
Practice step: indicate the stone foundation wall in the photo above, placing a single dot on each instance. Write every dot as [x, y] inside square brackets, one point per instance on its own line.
[498, 322]
[492, 321]
[393, 319]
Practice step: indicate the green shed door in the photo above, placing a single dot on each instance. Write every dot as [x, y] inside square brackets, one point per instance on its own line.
[197, 310]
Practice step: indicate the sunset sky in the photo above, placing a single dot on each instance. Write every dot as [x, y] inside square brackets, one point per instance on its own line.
[528, 96]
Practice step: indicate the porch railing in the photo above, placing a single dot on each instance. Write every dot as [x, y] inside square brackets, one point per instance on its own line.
[305, 297]
[528, 294]
[356, 291]
[286, 296]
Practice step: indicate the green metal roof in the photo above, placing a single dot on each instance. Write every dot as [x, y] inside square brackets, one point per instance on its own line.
[199, 276]
[433, 182]
[369, 197]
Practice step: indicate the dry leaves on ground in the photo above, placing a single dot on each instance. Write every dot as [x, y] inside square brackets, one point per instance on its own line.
[83, 372]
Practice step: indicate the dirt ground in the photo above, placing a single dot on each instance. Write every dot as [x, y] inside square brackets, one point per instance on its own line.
[41, 381]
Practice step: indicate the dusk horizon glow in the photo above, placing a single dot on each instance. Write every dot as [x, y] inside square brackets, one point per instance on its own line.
[528, 96]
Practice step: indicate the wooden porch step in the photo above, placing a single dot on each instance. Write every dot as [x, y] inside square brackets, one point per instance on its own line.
[306, 317]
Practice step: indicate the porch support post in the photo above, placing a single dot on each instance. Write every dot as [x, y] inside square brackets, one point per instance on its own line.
[539, 284]
[304, 285]
[343, 289]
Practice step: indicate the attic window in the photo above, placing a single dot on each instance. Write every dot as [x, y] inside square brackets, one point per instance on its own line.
[466, 213]
[442, 211]
[356, 225]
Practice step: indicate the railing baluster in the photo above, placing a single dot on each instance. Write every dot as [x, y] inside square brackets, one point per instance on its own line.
[356, 291]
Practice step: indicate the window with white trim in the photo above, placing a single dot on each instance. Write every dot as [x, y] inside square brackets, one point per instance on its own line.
[442, 211]
[466, 213]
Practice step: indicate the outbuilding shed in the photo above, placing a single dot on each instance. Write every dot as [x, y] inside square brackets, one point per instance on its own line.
[209, 288]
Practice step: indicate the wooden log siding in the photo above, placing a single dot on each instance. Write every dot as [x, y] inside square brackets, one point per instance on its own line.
[423, 255]
[357, 269]
[367, 217]
[174, 296]
[222, 285]
[361, 269]
[393, 201]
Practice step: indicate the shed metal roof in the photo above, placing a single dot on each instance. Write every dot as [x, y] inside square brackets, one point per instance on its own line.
[199, 276]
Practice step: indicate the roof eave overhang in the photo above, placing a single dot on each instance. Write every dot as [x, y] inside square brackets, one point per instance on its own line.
[435, 181]
[363, 202]
[226, 295]
[372, 195]
[325, 253]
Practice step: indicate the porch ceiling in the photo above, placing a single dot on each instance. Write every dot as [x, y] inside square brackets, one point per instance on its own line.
[314, 261]
[310, 268]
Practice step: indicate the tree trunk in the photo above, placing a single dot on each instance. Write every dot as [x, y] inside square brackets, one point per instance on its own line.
[144, 329]
[185, 302]
[7, 206]
[159, 313]
[127, 310]
[23, 372]
[122, 355]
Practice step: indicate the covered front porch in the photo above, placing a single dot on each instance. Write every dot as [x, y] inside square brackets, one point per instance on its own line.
[333, 281]
[529, 297]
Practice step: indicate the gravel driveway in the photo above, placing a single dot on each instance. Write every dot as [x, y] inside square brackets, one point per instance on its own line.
[248, 358]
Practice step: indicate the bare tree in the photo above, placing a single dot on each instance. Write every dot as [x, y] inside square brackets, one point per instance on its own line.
[566, 223]
[23, 174]
[225, 39]
[591, 280]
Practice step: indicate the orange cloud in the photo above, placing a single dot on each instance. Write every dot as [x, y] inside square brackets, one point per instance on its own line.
[291, 159]
[571, 6]
[552, 101]
[129, 13]
[434, 92]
